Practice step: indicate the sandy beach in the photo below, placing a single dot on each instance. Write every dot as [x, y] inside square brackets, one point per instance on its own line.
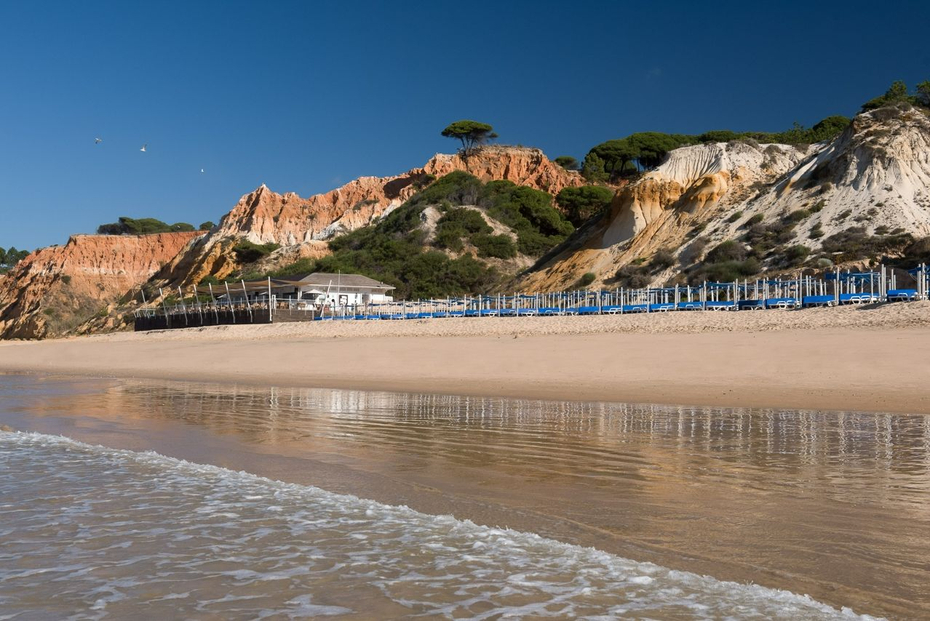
[865, 359]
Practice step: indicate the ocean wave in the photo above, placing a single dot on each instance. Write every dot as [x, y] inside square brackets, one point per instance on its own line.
[102, 532]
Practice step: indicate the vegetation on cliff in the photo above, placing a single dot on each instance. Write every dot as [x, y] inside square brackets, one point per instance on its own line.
[613, 159]
[9, 258]
[471, 134]
[144, 226]
[460, 253]
[898, 93]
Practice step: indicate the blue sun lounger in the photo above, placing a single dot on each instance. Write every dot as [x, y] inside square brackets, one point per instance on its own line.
[663, 307]
[527, 312]
[858, 298]
[750, 305]
[550, 310]
[635, 308]
[812, 301]
[718, 306]
[783, 303]
[901, 295]
[589, 310]
[690, 306]
[612, 310]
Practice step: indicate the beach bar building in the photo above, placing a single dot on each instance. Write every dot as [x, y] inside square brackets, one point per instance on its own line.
[336, 291]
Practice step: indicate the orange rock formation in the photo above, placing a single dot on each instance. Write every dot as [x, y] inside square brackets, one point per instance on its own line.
[55, 289]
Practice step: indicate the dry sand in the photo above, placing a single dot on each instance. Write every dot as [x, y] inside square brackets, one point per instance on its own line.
[870, 359]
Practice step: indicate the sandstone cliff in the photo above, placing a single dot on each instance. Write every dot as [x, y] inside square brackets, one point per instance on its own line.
[55, 289]
[876, 174]
[300, 225]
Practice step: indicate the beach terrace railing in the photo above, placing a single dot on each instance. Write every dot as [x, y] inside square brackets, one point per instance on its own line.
[829, 289]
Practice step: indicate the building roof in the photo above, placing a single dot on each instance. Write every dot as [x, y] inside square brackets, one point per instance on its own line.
[324, 279]
[317, 280]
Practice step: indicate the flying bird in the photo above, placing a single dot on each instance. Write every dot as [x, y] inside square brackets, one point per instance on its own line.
[201, 170]
[97, 140]
[143, 147]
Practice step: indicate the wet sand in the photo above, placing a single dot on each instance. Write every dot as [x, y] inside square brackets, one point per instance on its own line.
[826, 504]
[829, 359]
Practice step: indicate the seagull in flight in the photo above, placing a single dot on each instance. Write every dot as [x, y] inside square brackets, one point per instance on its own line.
[97, 140]
[143, 147]
[201, 170]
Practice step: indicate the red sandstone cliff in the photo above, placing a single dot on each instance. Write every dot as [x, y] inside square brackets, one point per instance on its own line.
[55, 289]
[263, 216]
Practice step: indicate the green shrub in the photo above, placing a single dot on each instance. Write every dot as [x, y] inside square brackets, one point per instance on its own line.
[450, 237]
[249, 252]
[917, 252]
[567, 162]
[734, 217]
[694, 250]
[756, 219]
[580, 204]
[458, 187]
[855, 243]
[662, 260]
[726, 251]
[586, 279]
[66, 278]
[530, 213]
[497, 246]
[141, 226]
[633, 277]
[818, 206]
[301, 266]
[795, 255]
[798, 215]
[457, 223]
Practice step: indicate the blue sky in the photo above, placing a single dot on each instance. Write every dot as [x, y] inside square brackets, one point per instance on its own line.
[304, 96]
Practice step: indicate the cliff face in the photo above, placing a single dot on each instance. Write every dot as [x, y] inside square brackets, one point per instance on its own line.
[875, 174]
[54, 290]
[263, 216]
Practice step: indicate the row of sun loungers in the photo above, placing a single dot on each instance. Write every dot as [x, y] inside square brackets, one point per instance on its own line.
[784, 303]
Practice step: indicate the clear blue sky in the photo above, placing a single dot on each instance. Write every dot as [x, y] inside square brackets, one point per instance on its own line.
[304, 96]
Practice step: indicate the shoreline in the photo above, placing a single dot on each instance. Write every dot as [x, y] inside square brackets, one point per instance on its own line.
[695, 362]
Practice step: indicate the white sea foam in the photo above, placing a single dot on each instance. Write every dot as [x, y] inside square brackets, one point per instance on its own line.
[116, 530]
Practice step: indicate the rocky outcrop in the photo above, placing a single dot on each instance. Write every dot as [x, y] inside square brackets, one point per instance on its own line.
[55, 289]
[875, 174]
[264, 216]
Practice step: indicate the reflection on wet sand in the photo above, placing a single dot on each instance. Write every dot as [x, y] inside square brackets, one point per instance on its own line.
[827, 503]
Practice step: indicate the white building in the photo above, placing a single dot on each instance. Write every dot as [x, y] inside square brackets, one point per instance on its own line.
[334, 291]
[319, 290]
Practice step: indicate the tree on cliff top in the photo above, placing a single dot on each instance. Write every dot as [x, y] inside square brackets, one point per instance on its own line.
[897, 92]
[141, 226]
[9, 258]
[567, 162]
[471, 134]
[923, 93]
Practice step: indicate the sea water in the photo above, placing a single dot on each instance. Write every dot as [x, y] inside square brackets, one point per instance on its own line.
[88, 532]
